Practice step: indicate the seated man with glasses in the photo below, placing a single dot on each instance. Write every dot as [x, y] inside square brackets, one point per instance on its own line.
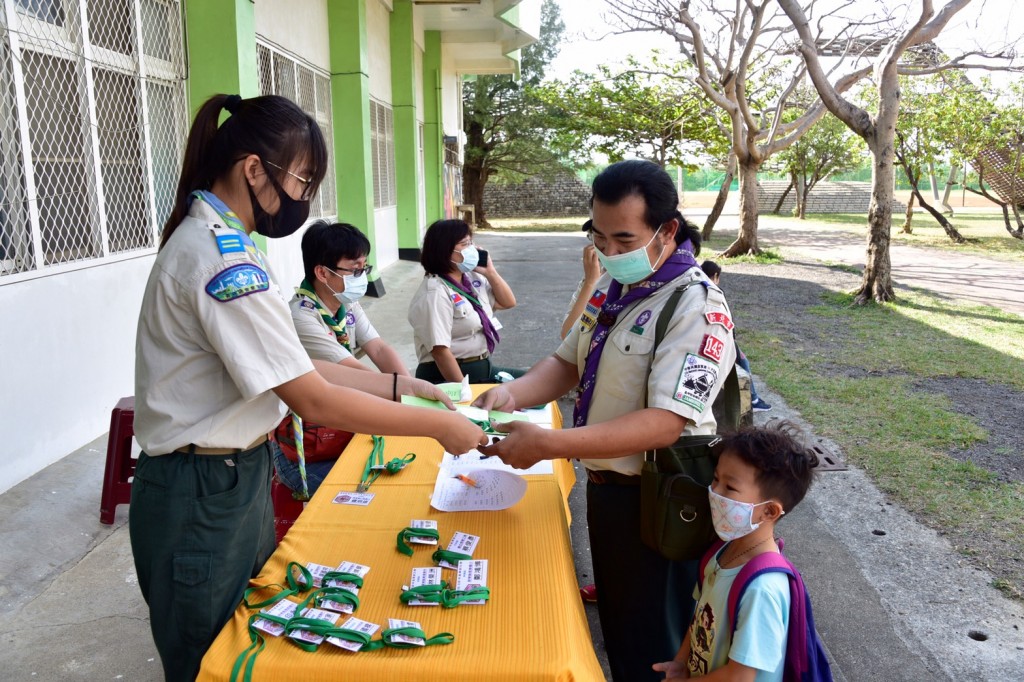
[331, 326]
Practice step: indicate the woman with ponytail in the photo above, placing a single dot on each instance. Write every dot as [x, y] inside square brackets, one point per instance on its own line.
[632, 395]
[218, 364]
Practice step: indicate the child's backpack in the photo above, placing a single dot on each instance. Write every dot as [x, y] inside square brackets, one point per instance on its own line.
[805, 659]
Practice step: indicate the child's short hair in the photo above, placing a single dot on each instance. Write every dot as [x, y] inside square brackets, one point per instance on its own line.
[711, 268]
[784, 463]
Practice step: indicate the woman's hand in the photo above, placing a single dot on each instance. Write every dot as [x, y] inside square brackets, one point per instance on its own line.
[422, 389]
[459, 435]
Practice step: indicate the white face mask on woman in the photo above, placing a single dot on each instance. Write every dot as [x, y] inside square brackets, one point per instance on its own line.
[470, 259]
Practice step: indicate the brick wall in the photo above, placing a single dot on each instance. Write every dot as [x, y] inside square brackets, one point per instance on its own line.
[565, 195]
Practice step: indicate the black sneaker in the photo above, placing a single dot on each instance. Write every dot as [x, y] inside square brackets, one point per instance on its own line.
[760, 405]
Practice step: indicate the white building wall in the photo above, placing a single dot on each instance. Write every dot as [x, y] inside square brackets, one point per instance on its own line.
[68, 356]
[299, 26]
[378, 36]
[451, 96]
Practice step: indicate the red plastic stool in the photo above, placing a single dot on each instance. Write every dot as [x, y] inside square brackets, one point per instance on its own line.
[286, 508]
[117, 487]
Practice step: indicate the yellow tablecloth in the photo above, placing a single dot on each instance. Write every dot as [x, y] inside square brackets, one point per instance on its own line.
[533, 628]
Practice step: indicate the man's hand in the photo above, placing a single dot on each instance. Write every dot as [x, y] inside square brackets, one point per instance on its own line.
[674, 670]
[524, 445]
[497, 398]
[423, 389]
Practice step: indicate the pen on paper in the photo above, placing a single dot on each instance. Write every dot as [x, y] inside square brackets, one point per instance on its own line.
[467, 480]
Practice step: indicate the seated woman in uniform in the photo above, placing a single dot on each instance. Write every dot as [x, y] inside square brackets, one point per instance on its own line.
[331, 326]
[452, 313]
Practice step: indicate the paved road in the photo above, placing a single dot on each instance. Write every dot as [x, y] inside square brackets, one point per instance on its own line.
[947, 274]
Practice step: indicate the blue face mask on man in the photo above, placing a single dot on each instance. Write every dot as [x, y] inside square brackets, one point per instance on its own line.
[632, 266]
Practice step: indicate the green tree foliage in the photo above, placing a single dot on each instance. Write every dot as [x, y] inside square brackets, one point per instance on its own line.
[506, 124]
[635, 111]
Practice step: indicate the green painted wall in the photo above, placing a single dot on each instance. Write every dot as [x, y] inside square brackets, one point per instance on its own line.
[433, 159]
[403, 103]
[350, 101]
[222, 44]
[221, 49]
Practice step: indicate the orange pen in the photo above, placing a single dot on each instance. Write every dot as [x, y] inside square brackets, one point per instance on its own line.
[467, 480]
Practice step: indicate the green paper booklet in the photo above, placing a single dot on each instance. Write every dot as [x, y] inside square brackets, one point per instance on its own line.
[470, 412]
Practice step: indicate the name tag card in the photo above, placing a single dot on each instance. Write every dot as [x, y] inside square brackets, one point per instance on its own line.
[472, 574]
[463, 543]
[316, 614]
[358, 625]
[318, 572]
[423, 523]
[356, 499]
[430, 575]
[394, 623]
[283, 609]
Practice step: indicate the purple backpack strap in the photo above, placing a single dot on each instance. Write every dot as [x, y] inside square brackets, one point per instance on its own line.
[796, 645]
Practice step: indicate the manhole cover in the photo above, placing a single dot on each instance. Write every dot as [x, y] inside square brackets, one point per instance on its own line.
[829, 458]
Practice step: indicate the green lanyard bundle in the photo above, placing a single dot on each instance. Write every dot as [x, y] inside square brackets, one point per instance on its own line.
[298, 580]
[440, 594]
[375, 464]
[406, 533]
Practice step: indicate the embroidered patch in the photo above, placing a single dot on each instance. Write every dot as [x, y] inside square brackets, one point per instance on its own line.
[719, 318]
[237, 281]
[597, 300]
[230, 243]
[306, 303]
[587, 322]
[637, 329]
[712, 348]
[350, 319]
[642, 318]
[477, 283]
[457, 299]
[696, 379]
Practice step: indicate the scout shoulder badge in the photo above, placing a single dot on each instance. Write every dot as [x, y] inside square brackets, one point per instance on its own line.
[805, 659]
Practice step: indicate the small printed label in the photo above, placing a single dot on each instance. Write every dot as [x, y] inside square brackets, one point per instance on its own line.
[395, 623]
[315, 614]
[282, 609]
[463, 543]
[318, 571]
[427, 524]
[357, 499]
[696, 379]
[496, 323]
[472, 574]
[358, 625]
[712, 348]
[430, 575]
[718, 317]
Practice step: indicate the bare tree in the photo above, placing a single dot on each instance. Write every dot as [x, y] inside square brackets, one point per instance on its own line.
[738, 55]
[878, 129]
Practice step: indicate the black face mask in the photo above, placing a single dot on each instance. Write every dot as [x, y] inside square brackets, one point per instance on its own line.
[291, 213]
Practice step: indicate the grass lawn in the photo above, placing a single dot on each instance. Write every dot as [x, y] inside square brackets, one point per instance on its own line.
[859, 376]
[985, 231]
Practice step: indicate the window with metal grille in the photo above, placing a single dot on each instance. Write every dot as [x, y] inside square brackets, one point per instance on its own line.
[310, 88]
[382, 150]
[93, 123]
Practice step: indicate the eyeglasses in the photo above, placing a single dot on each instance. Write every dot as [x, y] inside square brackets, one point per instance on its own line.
[464, 244]
[307, 183]
[356, 272]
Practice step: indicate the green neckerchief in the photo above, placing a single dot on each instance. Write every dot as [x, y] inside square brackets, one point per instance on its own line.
[339, 328]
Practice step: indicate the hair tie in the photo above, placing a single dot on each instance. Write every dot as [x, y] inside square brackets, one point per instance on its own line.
[232, 102]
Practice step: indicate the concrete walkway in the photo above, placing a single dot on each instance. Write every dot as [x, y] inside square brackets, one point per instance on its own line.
[963, 276]
[893, 607]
